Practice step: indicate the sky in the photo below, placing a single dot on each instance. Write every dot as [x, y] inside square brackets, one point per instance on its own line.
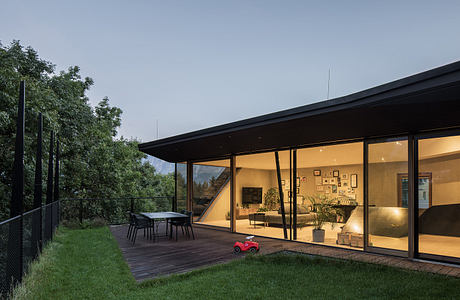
[190, 65]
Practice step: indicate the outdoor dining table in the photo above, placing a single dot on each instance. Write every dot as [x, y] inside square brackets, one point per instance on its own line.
[166, 215]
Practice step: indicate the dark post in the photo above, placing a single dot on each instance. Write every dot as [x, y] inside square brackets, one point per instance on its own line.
[38, 189]
[49, 192]
[280, 188]
[56, 187]
[233, 193]
[294, 192]
[15, 249]
[174, 203]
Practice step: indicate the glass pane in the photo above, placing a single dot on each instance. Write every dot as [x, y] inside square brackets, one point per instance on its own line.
[387, 195]
[258, 205]
[211, 193]
[439, 191]
[181, 184]
[331, 195]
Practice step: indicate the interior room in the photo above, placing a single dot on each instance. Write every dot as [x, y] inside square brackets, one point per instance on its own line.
[330, 189]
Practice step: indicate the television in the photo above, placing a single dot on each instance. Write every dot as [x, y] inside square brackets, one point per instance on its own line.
[252, 195]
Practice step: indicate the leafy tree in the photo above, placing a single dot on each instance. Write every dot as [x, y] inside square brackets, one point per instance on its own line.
[94, 162]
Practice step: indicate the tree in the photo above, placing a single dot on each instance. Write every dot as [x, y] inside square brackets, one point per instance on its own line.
[95, 163]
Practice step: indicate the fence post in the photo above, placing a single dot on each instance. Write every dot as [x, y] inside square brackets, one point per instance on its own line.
[49, 192]
[56, 186]
[14, 256]
[37, 219]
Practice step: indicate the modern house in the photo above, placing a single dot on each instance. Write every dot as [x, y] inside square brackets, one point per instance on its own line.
[382, 166]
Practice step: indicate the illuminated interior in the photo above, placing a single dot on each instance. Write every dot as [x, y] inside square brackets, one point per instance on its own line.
[335, 173]
[439, 196]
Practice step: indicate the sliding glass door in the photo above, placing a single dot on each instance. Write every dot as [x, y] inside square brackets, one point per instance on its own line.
[263, 194]
[439, 197]
[387, 195]
[211, 193]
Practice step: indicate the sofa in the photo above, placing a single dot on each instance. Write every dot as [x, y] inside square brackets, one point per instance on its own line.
[304, 216]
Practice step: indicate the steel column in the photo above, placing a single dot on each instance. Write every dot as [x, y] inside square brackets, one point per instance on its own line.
[413, 197]
[233, 194]
[49, 192]
[174, 203]
[280, 188]
[56, 184]
[294, 192]
[15, 236]
[189, 185]
[38, 189]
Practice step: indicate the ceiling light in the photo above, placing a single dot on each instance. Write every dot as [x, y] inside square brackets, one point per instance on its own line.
[383, 159]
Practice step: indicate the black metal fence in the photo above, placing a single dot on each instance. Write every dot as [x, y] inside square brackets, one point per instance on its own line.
[21, 241]
[112, 210]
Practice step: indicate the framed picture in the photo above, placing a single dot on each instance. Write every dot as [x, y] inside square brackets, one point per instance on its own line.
[298, 191]
[335, 173]
[283, 182]
[344, 183]
[325, 180]
[354, 180]
[344, 176]
[320, 188]
[333, 180]
[334, 189]
[316, 172]
[298, 181]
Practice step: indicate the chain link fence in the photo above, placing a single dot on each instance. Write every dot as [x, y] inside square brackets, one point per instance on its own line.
[21, 240]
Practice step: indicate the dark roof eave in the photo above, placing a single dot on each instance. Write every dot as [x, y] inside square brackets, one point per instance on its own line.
[339, 103]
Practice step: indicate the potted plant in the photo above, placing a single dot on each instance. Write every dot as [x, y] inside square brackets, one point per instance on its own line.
[271, 199]
[324, 212]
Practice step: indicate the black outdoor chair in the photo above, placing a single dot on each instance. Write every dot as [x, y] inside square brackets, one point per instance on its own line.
[184, 223]
[141, 222]
[131, 225]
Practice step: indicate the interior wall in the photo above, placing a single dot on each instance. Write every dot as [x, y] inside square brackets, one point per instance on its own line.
[265, 179]
[308, 184]
[445, 177]
[220, 207]
[383, 183]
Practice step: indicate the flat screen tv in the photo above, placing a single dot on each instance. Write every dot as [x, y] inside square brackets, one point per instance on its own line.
[252, 195]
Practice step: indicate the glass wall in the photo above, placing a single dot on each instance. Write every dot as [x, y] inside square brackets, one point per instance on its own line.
[330, 195]
[388, 194]
[258, 205]
[439, 196]
[211, 193]
[181, 186]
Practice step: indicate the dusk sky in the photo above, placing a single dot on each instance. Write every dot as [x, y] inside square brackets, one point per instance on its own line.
[196, 64]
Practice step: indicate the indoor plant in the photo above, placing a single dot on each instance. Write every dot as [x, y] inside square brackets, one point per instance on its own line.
[324, 212]
[272, 199]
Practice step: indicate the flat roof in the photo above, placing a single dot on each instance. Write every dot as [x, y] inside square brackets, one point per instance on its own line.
[426, 101]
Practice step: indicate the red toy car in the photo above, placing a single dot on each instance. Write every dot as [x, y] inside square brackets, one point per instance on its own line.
[250, 245]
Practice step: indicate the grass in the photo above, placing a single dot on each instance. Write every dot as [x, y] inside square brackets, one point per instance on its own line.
[87, 264]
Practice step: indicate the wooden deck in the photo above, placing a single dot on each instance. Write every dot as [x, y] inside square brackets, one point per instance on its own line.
[148, 259]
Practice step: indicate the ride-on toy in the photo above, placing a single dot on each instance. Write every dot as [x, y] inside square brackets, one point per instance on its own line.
[249, 244]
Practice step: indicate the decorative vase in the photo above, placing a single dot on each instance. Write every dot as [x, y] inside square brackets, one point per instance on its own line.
[318, 235]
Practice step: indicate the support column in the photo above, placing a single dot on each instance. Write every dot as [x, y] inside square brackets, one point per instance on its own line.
[280, 189]
[413, 197]
[174, 201]
[189, 185]
[294, 193]
[233, 194]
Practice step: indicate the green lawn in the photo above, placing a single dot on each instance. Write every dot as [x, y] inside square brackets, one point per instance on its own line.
[87, 264]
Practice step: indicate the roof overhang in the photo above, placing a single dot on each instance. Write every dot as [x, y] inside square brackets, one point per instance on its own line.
[422, 102]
